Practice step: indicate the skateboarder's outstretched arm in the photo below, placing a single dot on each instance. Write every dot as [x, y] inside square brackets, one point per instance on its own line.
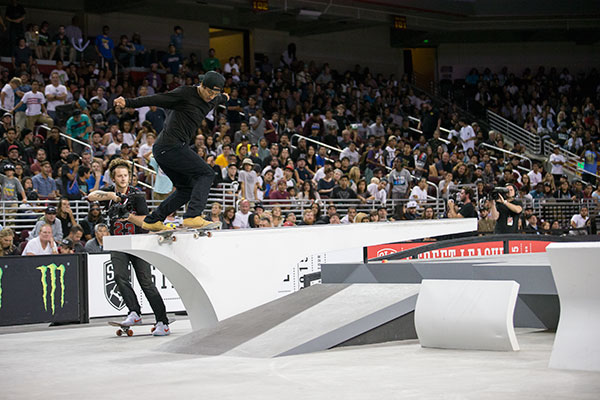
[169, 100]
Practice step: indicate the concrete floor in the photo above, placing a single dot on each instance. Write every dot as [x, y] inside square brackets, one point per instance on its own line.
[90, 362]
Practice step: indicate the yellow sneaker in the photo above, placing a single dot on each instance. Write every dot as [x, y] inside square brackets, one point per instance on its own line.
[155, 226]
[196, 222]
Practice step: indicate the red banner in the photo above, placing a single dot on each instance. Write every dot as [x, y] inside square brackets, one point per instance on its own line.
[527, 246]
[465, 250]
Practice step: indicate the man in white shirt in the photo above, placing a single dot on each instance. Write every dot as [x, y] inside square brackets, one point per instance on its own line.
[36, 111]
[467, 135]
[7, 96]
[377, 129]
[43, 244]
[142, 111]
[535, 176]
[56, 94]
[557, 160]
[351, 153]
[419, 192]
[100, 97]
[241, 217]
[580, 221]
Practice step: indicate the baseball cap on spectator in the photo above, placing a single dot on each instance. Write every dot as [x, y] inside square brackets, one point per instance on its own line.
[9, 167]
[290, 168]
[78, 111]
[68, 243]
[38, 136]
[7, 115]
[411, 204]
[50, 210]
[13, 147]
[288, 223]
[315, 126]
[244, 137]
[247, 161]
[91, 102]
[259, 205]
[95, 205]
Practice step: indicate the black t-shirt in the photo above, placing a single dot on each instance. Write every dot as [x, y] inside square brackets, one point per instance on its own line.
[344, 194]
[429, 122]
[139, 208]
[468, 211]
[508, 221]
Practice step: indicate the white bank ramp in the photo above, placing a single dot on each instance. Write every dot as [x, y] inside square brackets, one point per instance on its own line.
[314, 319]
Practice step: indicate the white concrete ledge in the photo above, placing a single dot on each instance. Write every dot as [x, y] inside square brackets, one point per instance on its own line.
[236, 270]
[576, 270]
[466, 314]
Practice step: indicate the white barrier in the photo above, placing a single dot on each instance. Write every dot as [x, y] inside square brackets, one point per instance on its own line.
[576, 271]
[236, 270]
[465, 314]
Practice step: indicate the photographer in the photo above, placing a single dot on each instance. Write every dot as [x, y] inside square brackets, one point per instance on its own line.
[506, 211]
[467, 210]
[126, 209]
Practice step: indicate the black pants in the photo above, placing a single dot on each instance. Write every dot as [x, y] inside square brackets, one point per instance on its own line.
[144, 276]
[191, 176]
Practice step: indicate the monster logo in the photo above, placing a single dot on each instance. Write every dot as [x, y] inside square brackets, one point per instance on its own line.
[52, 268]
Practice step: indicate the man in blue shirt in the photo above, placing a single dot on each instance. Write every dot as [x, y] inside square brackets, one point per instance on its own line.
[172, 60]
[44, 184]
[105, 47]
[177, 39]
[590, 162]
[156, 116]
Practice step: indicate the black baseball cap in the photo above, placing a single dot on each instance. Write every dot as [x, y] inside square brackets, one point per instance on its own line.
[50, 210]
[213, 80]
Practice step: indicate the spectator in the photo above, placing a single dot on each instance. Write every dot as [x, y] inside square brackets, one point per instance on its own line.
[79, 127]
[61, 42]
[96, 244]
[419, 192]
[49, 219]
[557, 161]
[350, 216]
[210, 63]
[75, 235]
[177, 39]
[486, 224]
[105, 48]
[172, 60]
[11, 186]
[532, 226]
[580, 222]
[241, 220]
[400, 179]
[342, 191]
[36, 111]
[22, 56]
[7, 247]
[44, 184]
[44, 244]
[7, 96]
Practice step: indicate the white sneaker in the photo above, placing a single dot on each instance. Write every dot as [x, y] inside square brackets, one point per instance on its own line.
[161, 329]
[132, 319]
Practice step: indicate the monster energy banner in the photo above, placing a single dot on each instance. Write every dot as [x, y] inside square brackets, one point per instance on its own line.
[42, 289]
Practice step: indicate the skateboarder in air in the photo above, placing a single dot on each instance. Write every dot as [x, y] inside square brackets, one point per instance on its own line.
[119, 173]
[192, 177]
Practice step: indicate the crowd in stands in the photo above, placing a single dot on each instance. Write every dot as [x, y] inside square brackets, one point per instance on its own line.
[292, 131]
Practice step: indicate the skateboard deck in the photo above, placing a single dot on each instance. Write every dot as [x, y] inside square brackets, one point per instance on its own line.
[126, 329]
[168, 236]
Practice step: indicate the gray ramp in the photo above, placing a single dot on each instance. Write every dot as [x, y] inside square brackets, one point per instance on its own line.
[334, 315]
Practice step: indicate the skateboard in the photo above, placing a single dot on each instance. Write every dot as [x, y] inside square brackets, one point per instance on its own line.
[169, 236]
[126, 329]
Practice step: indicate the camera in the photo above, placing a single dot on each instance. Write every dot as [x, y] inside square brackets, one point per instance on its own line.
[499, 191]
[121, 210]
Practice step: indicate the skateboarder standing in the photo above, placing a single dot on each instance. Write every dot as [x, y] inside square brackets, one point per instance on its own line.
[120, 175]
[192, 177]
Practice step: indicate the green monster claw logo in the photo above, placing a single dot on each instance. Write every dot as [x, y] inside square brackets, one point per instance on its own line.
[52, 268]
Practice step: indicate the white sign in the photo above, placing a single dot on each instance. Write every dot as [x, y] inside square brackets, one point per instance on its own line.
[105, 299]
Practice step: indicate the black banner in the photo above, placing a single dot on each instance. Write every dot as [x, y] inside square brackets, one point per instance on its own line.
[36, 289]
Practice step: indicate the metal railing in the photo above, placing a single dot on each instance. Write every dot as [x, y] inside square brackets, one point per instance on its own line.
[23, 217]
[521, 156]
[417, 120]
[309, 139]
[532, 142]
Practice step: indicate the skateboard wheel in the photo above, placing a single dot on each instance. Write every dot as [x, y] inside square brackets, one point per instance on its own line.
[129, 332]
[119, 332]
[208, 234]
[152, 329]
[161, 239]
[174, 239]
